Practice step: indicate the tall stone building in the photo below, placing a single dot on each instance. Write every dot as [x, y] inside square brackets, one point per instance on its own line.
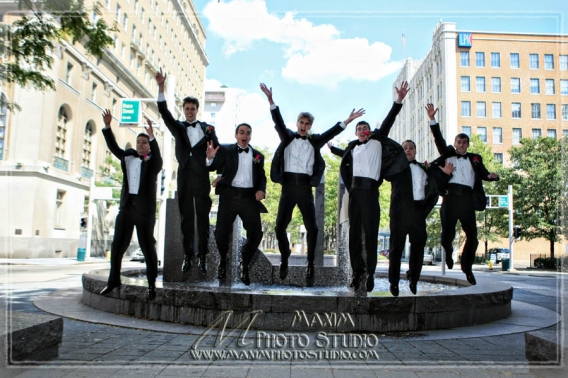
[53, 151]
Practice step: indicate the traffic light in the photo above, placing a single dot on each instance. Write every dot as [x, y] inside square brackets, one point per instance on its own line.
[517, 231]
[83, 222]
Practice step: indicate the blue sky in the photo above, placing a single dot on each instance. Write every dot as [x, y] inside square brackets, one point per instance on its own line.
[328, 57]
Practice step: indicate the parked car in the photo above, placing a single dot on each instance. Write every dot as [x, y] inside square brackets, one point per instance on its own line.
[384, 252]
[137, 255]
[428, 259]
[500, 254]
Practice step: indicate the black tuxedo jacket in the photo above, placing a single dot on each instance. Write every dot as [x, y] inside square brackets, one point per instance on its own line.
[183, 147]
[146, 198]
[287, 136]
[480, 172]
[393, 157]
[226, 162]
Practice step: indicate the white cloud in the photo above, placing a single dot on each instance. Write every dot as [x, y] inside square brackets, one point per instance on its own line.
[315, 54]
[212, 84]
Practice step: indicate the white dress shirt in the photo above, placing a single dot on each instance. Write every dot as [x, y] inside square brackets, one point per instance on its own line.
[463, 173]
[299, 157]
[133, 172]
[367, 159]
[243, 178]
[419, 181]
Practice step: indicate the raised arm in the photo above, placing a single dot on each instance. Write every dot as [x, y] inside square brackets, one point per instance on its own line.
[275, 112]
[109, 136]
[169, 120]
[335, 150]
[395, 109]
[441, 144]
[154, 147]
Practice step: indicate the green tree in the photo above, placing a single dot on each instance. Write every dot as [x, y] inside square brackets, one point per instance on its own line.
[536, 177]
[28, 42]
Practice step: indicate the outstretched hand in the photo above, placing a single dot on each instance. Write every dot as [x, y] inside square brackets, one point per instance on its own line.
[160, 77]
[217, 179]
[149, 129]
[354, 114]
[448, 168]
[267, 91]
[329, 145]
[107, 118]
[402, 91]
[211, 150]
[431, 111]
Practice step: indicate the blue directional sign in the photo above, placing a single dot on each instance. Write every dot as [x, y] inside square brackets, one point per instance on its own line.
[465, 39]
[503, 201]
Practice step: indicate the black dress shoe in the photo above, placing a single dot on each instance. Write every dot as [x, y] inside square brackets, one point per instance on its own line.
[108, 289]
[283, 270]
[370, 283]
[151, 292]
[221, 270]
[244, 274]
[201, 264]
[449, 262]
[412, 286]
[310, 271]
[470, 278]
[355, 281]
[394, 290]
[186, 264]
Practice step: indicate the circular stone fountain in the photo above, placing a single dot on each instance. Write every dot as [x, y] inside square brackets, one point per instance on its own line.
[441, 302]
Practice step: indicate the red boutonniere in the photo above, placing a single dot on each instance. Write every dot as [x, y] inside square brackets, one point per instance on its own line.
[475, 160]
[368, 134]
[208, 129]
[257, 159]
[146, 157]
[426, 164]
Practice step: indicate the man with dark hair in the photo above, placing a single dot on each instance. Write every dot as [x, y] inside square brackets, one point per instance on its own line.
[368, 160]
[464, 194]
[193, 185]
[241, 188]
[298, 165]
[140, 168]
[414, 194]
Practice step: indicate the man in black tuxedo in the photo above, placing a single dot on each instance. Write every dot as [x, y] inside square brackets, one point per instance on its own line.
[414, 194]
[140, 168]
[241, 188]
[463, 196]
[193, 185]
[368, 160]
[298, 165]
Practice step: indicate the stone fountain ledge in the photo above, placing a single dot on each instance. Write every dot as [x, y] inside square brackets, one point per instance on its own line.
[322, 308]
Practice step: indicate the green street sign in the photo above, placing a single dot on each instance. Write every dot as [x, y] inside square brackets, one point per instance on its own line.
[130, 112]
[503, 201]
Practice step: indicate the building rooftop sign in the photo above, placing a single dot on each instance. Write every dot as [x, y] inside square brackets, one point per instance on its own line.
[465, 39]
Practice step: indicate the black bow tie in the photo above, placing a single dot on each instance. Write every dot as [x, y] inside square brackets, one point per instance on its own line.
[363, 142]
[414, 162]
[246, 150]
[462, 156]
[192, 124]
[298, 136]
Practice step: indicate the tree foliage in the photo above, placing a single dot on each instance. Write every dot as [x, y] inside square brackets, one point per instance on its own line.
[28, 43]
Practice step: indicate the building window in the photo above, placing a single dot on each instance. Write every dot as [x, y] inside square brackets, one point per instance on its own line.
[549, 86]
[465, 86]
[69, 74]
[535, 111]
[551, 133]
[564, 133]
[496, 84]
[536, 133]
[535, 86]
[515, 85]
[551, 111]
[495, 60]
[125, 22]
[480, 84]
[3, 115]
[548, 61]
[466, 130]
[123, 51]
[517, 135]
[94, 92]
[482, 132]
[498, 156]
[107, 4]
[563, 61]
[61, 136]
[142, 15]
[464, 58]
[515, 62]
[481, 109]
[497, 135]
[87, 145]
[117, 15]
[563, 87]
[533, 61]
[466, 109]
[480, 59]
[59, 201]
[516, 110]
[564, 112]
[496, 110]
[136, 6]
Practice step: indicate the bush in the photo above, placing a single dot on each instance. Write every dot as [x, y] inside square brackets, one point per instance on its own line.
[551, 263]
